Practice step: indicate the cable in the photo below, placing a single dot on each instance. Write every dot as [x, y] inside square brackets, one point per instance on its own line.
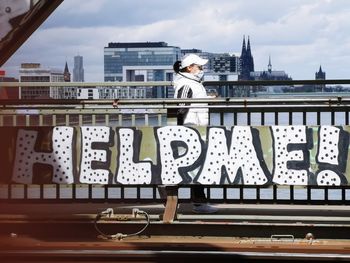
[119, 236]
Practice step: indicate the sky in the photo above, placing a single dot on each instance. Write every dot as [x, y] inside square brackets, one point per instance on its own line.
[299, 35]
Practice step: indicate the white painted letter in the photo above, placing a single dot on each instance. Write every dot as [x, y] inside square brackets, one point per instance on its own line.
[61, 158]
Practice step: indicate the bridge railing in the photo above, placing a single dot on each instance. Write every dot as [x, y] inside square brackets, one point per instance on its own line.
[228, 111]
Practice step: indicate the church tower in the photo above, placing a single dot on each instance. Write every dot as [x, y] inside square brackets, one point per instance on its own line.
[246, 61]
[269, 66]
[66, 74]
[320, 74]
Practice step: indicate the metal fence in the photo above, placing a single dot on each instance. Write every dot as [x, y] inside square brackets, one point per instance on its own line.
[326, 110]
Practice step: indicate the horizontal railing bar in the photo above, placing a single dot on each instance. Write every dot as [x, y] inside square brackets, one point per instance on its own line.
[87, 84]
[224, 101]
[160, 109]
[170, 83]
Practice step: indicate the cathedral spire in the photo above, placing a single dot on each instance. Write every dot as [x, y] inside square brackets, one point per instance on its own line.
[249, 52]
[66, 73]
[320, 74]
[269, 66]
[244, 49]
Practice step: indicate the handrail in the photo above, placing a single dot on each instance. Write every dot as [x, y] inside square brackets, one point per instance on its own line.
[169, 103]
[170, 83]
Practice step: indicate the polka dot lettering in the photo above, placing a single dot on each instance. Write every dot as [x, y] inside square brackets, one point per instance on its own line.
[283, 137]
[61, 158]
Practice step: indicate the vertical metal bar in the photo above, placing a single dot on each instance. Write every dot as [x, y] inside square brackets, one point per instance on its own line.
[225, 193]
[208, 193]
[122, 194]
[257, 194]
[67, 119]
[74, 193]
[58, 192]
[138, 193]
[262, 120]
[326, 194]
[93, 119]
[90, 192]
[41, 186]
[106, 119]
[318, 117]
[80, 120]
[106, 192]
[304, 117]
[133, 118]
[308, 189]
[332, 117]
[120, 120]
[290, 118]
[41, 121]
[27, 120]
[343, 195]
[291, 193]
[159, 119]
[346, 117]
[249, 121]
[274, 193]
[241, 193]
[146, 119]
[25, 194]
[1, 120]
[54, 120]
[222, 118]
[154, 195]
[235, 117]
[276, 117]
[14, 120]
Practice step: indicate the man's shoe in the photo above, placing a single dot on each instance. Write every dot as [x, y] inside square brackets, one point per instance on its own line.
[204, 209]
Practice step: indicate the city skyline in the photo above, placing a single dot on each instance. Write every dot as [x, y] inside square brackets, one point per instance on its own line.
[298, 35]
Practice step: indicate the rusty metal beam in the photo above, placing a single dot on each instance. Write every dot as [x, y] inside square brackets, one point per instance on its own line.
[35, 17]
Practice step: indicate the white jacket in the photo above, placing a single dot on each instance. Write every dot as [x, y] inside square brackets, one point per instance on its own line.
[187, 85]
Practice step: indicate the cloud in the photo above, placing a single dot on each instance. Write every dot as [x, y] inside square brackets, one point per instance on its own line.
[298, 34]
[78, 7]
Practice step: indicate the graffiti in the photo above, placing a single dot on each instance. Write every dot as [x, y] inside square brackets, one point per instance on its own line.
[332, 155]
[130, 170]
[233, 155]
[60, 158]
[94, 154]
[285, 155]
[291, 155]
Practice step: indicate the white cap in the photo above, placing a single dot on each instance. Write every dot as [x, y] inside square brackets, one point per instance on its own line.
[193, 59]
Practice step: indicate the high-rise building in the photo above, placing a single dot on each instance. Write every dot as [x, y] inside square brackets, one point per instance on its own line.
[78, 70]
[141, 61]
[224, 63]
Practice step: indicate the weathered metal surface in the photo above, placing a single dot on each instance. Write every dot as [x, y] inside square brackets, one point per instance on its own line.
[173, 248]
[19, 19]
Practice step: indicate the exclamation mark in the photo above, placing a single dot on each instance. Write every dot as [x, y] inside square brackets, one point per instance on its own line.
[331, 156]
